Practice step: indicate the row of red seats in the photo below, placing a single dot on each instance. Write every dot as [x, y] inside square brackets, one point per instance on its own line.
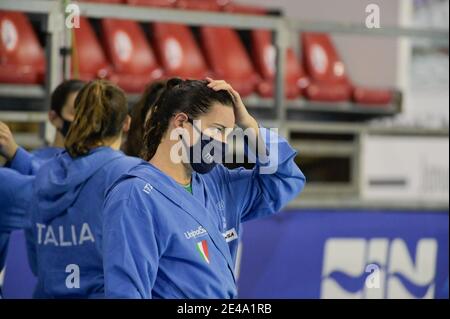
[22, 58]
[131, 62]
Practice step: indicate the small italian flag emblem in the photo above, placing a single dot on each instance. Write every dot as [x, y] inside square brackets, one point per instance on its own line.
[202, 247]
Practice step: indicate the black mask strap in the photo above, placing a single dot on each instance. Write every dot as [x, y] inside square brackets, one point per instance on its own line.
[65, 128]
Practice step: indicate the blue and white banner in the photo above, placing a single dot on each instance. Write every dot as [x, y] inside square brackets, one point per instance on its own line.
[346, 254]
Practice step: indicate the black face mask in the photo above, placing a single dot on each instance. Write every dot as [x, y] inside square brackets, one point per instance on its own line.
[206, 162]
[65, 128]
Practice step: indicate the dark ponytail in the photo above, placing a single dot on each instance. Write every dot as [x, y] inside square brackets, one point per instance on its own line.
[100, 111]
[192, 97]
[158, 122]
[135, 140]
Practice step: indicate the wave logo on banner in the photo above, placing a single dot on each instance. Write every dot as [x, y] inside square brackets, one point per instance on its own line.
[378, 268]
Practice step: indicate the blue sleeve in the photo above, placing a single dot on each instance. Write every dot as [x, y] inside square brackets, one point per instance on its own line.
[15, 190]
[130, 250]
[269, 186]
[22, 162]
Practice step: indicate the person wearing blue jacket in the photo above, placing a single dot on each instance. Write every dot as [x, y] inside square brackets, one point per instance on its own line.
[61, 114]
[28, 163]
[171, 227]
[69, 191]
[15, 191]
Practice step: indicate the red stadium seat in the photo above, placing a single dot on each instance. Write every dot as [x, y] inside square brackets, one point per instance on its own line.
[22, 58]
[264, 58]
[178, 51]
[224, 51]
[130, 54]
[152, 3]
[228, 59]
[329, 81]
[263, 54]
[325, 69]
[202, 5]
[372, 96]
[88, 59]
